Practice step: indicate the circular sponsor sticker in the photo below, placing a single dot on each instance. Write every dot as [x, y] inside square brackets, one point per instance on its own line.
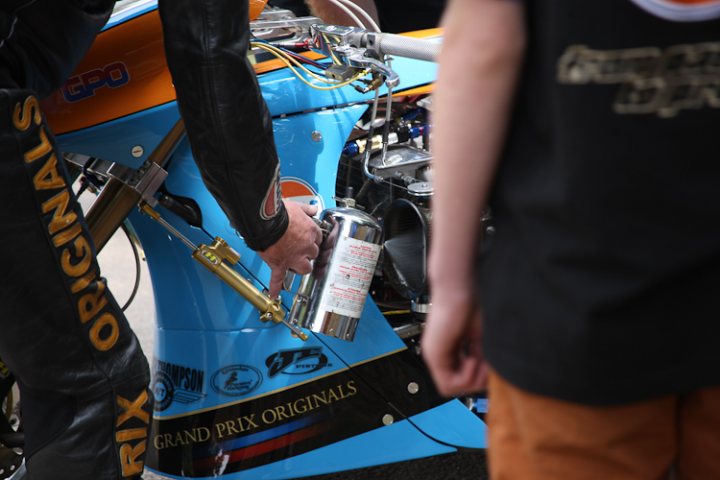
[299, 191]
[236, 380]
[163, 391]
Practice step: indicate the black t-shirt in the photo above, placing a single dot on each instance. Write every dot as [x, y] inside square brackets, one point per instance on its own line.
[601, 283]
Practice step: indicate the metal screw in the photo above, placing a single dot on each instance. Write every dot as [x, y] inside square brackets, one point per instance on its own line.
[388, 419]
[316, 136]
[137, 151]
[413, 388]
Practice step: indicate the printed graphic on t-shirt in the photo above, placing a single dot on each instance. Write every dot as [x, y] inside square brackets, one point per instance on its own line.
[651, 80]
[682, 10]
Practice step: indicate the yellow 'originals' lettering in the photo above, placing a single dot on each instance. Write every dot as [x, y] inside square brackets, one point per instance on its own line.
[83, 251]
[30, 112]
[66, 235]
[82, 283]
[104, 344]
[48, 177]
[58, 204]
[41, 150]
[91, 303]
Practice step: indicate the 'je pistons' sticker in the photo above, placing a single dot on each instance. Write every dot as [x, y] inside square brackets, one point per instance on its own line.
[349, 277]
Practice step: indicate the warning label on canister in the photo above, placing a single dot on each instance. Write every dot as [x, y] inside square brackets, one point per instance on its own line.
[349, 277]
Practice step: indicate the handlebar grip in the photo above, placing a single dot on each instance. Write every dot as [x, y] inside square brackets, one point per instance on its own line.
[401, 46]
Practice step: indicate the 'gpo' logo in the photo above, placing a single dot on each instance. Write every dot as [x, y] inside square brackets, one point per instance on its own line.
[296, 362]
[82, 86]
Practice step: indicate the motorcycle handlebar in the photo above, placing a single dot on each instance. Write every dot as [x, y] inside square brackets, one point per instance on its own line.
[402, 46]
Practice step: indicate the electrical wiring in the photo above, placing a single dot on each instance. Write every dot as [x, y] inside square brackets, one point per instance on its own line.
[136, 256]
[291, 63]
[285, 47]
[282, 55]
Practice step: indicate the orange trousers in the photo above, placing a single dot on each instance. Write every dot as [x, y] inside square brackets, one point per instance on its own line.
[532, 437]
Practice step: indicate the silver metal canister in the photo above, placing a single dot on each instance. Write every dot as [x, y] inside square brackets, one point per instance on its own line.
[330, 300]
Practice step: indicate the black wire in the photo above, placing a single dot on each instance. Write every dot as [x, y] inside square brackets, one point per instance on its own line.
[136, 254]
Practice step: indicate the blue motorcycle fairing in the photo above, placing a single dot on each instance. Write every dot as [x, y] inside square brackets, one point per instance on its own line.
[211, 343]
[380, 445]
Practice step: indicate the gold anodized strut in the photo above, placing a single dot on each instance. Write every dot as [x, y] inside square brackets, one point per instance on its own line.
[218, 258]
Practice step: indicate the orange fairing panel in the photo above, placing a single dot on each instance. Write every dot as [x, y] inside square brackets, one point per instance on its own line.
[256, 8]
[124, 72]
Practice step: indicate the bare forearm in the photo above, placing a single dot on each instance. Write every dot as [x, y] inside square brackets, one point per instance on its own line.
[481, 56]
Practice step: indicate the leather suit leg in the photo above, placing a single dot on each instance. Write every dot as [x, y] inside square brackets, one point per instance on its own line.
[227, 120]
[82, 374]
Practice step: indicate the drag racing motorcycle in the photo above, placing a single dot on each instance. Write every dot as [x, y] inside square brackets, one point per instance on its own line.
[325, 380]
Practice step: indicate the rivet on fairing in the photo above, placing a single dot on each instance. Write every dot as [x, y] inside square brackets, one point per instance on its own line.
[137, 151]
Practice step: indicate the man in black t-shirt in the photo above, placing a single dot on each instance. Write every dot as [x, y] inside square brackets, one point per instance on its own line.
[588, 128]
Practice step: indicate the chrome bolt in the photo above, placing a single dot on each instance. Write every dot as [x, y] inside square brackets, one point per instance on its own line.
[316, 136]
[413, 388]
[388, 419]
[137, 151]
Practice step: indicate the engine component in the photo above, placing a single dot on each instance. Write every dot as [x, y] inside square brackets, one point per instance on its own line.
[407, 238]
[330, 300]
[406, 160]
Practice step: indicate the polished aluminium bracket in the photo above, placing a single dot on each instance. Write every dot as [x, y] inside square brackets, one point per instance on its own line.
[117, 199]
[146, 180]
[219, 258]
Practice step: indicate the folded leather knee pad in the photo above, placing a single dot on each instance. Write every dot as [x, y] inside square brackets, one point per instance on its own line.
[63, 335]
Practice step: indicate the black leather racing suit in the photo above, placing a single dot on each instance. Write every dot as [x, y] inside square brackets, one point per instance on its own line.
[82, 374]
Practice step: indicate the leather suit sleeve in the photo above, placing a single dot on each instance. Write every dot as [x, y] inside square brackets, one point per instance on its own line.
[227, 120]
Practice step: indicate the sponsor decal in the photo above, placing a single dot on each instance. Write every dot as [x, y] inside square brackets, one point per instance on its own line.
[163, 391]
[290, 421]
[298, 361]
[299, 191]
[648, 80]
[176, 383]
[236, 380]
[271, 203]
[84, 85]
[681, 10]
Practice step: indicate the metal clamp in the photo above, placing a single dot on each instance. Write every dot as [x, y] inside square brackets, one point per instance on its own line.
[146, 180]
